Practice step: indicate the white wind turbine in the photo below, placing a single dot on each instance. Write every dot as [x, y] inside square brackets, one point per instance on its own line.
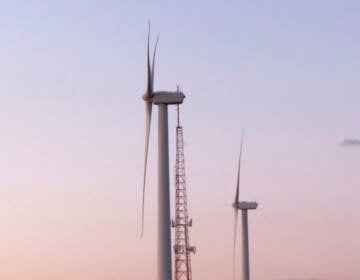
[162, 99]
[244, 206]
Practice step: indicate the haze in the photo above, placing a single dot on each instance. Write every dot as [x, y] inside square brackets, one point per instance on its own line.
[72, 135]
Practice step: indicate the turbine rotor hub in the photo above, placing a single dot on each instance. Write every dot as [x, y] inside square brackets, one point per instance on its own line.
[147, 98]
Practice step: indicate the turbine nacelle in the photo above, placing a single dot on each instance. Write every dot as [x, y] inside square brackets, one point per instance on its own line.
[245, 205]
[165, 97]
[168, 97]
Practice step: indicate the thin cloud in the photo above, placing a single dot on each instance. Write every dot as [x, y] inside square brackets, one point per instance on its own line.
[351, 142]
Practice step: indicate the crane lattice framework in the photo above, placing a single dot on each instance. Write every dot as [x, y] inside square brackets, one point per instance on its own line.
[182, 249]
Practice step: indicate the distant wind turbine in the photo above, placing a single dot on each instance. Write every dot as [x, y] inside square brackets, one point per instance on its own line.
[162, 99]
[244, 206]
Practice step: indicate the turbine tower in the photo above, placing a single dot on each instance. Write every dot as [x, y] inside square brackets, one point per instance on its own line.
[162, 99]
[182, 249]
[244, 206]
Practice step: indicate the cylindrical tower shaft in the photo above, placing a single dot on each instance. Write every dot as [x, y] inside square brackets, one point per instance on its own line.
[245, 239]
[164, 231]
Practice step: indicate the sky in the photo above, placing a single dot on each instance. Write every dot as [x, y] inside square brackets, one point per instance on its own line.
[72, 141]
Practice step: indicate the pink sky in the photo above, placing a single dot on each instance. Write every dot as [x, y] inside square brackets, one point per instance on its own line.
[72, 136]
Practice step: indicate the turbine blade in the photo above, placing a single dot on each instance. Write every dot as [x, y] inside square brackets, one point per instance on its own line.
[235, 235]
[147, 137]
[149, 88]
[153, 66]
[238, 173]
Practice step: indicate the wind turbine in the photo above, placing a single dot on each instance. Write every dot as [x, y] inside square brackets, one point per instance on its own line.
[244, 206]
[162, 99]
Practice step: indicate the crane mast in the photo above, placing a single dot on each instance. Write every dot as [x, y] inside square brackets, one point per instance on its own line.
[181, 223]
